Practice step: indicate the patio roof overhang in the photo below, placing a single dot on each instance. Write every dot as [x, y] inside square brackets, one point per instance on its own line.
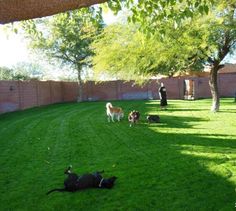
[18, 10]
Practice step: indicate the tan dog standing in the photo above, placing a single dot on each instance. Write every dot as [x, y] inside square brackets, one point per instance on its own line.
[114, 112]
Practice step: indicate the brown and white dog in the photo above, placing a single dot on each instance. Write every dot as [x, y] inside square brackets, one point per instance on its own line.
[133, 117]
[114, 112]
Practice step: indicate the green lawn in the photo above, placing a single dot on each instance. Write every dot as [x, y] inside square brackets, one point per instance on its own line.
[187, 162]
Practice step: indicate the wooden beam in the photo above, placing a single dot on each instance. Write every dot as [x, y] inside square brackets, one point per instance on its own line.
[17, 10]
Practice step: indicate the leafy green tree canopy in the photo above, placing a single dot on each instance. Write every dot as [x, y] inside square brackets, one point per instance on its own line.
[133, 55]
[200, 40]
[150, 13]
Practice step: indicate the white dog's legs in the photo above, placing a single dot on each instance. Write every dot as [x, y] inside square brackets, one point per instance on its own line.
[112, 118]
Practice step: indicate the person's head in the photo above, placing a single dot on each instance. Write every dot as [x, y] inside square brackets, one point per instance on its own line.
[162, 84]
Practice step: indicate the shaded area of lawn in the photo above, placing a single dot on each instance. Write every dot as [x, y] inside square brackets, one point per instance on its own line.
[187, 162]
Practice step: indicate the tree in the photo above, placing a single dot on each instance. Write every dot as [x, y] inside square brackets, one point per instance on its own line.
[223, 37]
[21, 71]
[134, 55]
[5, 73]
[220, 34]
[27, 71]
[66, 38]
[149, 13]
[199, 41]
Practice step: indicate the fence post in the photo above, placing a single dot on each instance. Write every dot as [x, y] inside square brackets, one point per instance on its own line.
[179, 87]
[19, 94]
[117, 91]
[62, 91]
[37, 93]
[50, 90]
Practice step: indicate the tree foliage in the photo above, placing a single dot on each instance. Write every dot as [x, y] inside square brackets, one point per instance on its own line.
[66, 38]
[200, 40]
[22, 71]
[6, 73]
[151, 13]
[133, 55]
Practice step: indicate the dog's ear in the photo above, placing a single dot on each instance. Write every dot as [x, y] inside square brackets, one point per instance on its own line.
[114, 178]
[108, 183]
[68, 170]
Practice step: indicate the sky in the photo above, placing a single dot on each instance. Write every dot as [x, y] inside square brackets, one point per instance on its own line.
[13, 47]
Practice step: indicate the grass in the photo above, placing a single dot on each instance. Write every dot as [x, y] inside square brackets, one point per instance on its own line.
[187, 162]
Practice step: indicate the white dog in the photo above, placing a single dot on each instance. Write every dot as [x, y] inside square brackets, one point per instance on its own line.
[114, 112]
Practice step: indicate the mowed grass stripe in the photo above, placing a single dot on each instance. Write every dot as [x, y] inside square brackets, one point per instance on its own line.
[25, 131]
[31, 147]
[11, 128]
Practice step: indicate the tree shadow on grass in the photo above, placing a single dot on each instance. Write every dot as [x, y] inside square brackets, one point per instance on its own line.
[171, 109]
[181, 172]
[167, 171]
[222, 110]
[167, 121]
[174, 171]
[228, 110]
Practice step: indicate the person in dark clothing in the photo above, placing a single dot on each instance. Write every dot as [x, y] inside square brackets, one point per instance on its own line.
[163, 96]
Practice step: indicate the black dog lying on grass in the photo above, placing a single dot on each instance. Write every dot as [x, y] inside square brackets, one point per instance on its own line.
[153, 119]
[74, 182]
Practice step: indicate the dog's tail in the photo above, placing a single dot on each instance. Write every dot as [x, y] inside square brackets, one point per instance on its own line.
[56, 189]
[108, 105]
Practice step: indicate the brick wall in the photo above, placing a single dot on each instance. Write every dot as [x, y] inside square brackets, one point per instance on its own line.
[19, 95]
[69, 91]
[56, 92]
[100, 91]
[9, 96]
[227, 84]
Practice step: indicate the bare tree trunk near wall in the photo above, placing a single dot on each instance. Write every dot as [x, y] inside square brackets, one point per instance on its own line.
[214, 90]
[80, 87]
[228, 42]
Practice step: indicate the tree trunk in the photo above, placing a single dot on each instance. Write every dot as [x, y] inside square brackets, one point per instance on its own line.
[80, 87]
[214, 90]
